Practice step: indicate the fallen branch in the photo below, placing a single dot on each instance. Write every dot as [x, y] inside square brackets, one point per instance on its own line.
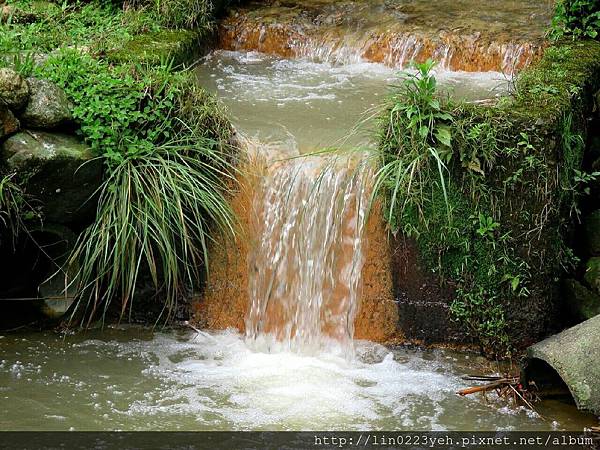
[482, 388]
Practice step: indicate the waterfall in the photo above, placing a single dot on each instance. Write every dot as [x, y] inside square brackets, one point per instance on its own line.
[306, 264]
[397, 48]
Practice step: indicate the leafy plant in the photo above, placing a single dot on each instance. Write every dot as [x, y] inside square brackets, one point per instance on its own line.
[486, 226]
[484, 314]
[416, 134]
[576, 18]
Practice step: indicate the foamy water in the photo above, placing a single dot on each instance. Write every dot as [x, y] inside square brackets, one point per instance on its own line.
[133, 379]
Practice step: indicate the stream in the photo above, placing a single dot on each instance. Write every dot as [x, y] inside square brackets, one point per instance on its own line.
[136, 379]
[292, 374]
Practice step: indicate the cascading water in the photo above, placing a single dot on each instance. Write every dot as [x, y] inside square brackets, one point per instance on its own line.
[506, 38]
[306, 265]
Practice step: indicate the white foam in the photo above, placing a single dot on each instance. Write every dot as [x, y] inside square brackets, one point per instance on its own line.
[223, 377]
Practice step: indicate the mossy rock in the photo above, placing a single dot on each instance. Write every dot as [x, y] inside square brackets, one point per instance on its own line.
[592, 232]
[592, 274]
[48, 105]
[575, 356]
[582, 303]
[56, 170]
[14, 90]
[155, 47]
[9, 124]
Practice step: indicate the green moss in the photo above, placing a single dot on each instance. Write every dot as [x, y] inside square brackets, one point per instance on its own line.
[546, 90]
[159, 46]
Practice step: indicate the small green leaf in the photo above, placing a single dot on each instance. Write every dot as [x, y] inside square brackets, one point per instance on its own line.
[443, 136]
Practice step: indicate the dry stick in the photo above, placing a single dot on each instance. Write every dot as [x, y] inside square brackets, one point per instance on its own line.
[485, 387]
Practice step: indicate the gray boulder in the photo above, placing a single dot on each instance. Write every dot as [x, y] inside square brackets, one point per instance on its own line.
[59, 171]
[575, 356]
[9, 124]
[14, 90]
[48, 105]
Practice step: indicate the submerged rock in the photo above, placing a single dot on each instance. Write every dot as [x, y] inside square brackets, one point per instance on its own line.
[48, 105]
[9, 124]
[592, 232]
[582, 303]
[58, 170]
[14, 90]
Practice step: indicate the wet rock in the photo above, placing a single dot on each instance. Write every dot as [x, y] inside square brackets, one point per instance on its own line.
[592, 232]
[9, 124]
[48, 105]
[582, 302]
[592, 274]
[14, 90]
[58, 171]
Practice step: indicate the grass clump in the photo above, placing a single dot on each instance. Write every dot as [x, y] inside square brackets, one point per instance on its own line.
[195, 14]
[11, 207]
[156, 212]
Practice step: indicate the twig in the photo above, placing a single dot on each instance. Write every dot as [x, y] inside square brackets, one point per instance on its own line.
[485, 387]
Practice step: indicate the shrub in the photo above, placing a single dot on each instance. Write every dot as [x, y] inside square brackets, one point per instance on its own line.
[576, 18]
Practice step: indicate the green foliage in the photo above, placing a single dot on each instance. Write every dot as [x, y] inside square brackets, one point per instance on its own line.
[416, 133]
[165, 142]
[125, 110]
[486, 226]
[487, 204]
[93, 27]
[483, 313]
[157, 211]
[576, 18]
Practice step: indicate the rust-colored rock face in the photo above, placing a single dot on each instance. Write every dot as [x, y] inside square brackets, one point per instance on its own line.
[476, 36]
[226, 300]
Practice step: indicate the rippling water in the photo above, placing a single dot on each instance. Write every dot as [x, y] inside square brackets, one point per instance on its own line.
[134, 379]
[307, 105]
